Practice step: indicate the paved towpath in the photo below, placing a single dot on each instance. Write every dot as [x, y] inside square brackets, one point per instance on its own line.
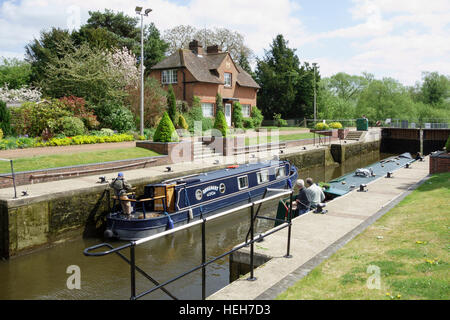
[315, 237]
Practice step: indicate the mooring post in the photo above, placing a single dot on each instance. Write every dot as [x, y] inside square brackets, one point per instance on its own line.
[203, 259]
[252, 266]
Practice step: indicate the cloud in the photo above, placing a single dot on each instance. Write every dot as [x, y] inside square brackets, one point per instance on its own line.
[399, 39]
[258, 20]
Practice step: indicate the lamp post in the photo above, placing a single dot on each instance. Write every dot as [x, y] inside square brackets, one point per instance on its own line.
[142, 14]
[315, 99]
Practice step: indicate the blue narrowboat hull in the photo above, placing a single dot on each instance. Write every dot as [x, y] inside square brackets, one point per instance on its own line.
[123, 228]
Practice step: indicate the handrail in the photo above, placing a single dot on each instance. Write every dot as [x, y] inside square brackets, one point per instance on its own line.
[132, 244]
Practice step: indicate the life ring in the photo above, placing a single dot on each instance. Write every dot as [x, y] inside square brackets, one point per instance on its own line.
[233, 166]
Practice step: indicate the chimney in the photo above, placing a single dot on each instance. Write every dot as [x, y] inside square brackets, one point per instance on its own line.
[195, 47]
[213, 49]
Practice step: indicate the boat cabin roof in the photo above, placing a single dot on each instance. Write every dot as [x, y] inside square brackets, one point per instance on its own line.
[223, 173]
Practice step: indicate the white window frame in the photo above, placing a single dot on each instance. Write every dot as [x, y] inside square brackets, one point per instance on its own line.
[246, 114]
[239, 182]
[277, 172]
[169, 76]
[208, 105]
[230, 78]
[262, 174]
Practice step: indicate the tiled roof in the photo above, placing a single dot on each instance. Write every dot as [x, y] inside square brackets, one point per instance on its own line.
[202, 67]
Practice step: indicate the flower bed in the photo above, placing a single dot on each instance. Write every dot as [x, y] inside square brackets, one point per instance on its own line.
[25, 142]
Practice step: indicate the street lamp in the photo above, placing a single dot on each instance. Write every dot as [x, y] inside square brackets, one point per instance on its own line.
[142, 14]
[315, 99]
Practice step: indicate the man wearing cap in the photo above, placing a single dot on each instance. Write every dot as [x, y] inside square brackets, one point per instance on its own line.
[302, 198]
[121, 186]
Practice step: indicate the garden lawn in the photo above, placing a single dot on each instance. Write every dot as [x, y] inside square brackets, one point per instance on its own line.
[286, 137]
[72, 159]
[410, 246]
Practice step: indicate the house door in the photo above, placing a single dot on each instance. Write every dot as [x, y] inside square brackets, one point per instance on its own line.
[228, 113]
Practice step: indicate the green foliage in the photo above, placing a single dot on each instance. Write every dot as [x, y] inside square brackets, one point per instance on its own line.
[248, 123]
[16, 73]
[219, 103]
[335, 125]
[278, 121]
[207, 124]
[171, 103]
[33, 118]
[286, 86]
[447, 144]
[24, 142]
[236, 116]
[119, 119]
[322, 126]
[182, 124]
[5, 119]
[221, 123]
[435, 88]
[194, 114]
[165, 132]
[257, 117]
[69, 126]
[1, 134]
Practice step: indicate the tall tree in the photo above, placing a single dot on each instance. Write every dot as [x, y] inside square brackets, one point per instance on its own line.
[52, 44]
[435, 88]
[286, 87]
[155, 48]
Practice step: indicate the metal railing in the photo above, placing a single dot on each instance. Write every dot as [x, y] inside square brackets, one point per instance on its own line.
[250, 242]
[13, 175]
[418, 124]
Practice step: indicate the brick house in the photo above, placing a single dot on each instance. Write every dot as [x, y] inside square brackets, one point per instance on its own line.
[194, 72]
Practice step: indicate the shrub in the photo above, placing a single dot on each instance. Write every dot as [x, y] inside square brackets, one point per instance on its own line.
[182, 124]
[257, 117]
[248, 123]
[1, 134]
[321, 126]
[278, 121]
[447, 145]
[207, 124]
[165, 132]
[194, 114]
[120, 119]
[34, 119]
[79, 108]
[237, 116]
[221, 123]
[219, 103]
[171, 104]
[5, 119]
[336, 125]
[72, 126]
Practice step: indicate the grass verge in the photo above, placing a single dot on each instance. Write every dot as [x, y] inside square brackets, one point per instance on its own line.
[404, 255]
[72, 159]
[282, 137]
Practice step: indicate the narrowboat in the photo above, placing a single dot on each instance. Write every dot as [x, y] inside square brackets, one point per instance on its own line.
[353, 181]
[182, 200]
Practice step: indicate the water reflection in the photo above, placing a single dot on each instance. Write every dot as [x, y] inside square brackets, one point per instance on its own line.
[42, 274]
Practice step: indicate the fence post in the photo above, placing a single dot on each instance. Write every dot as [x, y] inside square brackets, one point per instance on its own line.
[203, 259]
[133, 271]
[13, 175]
[252, 266]
[288, 255]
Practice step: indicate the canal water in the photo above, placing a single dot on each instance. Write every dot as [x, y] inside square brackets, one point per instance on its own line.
[45, 274]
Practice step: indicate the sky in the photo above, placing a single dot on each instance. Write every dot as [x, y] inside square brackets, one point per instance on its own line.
[388, 38]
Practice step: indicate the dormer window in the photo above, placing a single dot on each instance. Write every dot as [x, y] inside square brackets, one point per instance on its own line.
[228, 79]
[169, 76]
